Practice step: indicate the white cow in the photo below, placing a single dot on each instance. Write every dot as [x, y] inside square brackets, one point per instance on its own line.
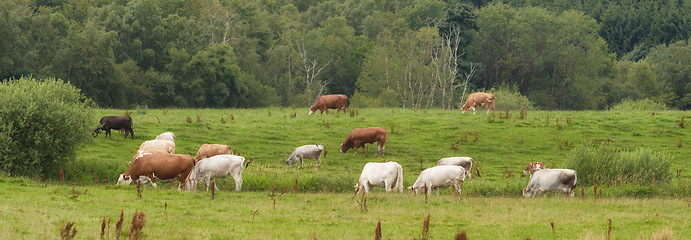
[166, 136]
[439, 177]
[388, 175]
[306, 151]
[551, 180]
[218, 166]
[465, 162]
[164, 145]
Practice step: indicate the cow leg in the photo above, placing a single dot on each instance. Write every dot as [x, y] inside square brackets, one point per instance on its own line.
[215, 184]
[301, 165]
[457, 184]
[368, 187]
[208, 182]
[388, 184]
[107, 132]
[237, 176]
[152, 179]
[473, 107]
[319, 160]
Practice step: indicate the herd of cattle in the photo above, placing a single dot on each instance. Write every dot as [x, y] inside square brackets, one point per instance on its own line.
[156, 159]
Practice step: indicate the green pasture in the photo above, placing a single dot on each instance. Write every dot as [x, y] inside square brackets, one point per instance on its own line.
[319, 202]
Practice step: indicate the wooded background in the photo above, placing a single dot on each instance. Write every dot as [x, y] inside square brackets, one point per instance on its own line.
[569, 55]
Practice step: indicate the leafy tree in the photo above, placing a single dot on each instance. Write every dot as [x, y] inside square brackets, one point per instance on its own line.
[215, 79]
[671, 65]
[42, 124]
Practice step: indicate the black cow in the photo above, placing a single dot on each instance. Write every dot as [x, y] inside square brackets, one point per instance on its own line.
[115, 122]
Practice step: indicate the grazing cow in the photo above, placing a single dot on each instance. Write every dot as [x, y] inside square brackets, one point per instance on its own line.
[326, 102]
[359, 136]
[161, 167]
[115, 122]
[307, 151]
[533, 167]
[163, 145]
[551, 180]
[388, 175]
[218, 166]
[166, 136]
[143, 152]
[210, 150]
[439, 177]
[465, 162]
[479, 99]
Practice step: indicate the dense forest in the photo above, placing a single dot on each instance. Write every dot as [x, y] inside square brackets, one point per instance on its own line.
[562, 54]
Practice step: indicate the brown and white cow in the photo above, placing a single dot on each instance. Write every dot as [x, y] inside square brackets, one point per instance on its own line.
[143, 152]
[533, 167]
[359, 136]
[210, 150]
[551, 180]
[326, 102]
[479, 99]
[161, 167]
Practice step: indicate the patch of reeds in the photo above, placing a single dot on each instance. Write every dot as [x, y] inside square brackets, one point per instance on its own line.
[138, 221]
[505, 115]
[523, 113]
[425, 228]
[607, 165]
[189, 119]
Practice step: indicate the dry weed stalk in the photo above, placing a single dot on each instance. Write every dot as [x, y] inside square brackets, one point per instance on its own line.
[139, 188]
[523, 113]
[681, 122]
[551, 223]
[62, 176]
[138, 221]
[118, 225]
[199, 119]
[274, 196]
[377, 231]
[255, 214]
[189, 119]
[96, 178]
[363, 202]
[67, 232]
[609, 229]
[295, 187]
[74, 192]
[595, 191]
[461, 236]
[425, 228]
[103, 227]
[213, 189]
[426, 193]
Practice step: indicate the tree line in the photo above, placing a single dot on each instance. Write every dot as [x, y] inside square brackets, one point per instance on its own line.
[407, 53]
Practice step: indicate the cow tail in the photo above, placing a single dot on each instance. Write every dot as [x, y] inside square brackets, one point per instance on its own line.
[477, 170]
[399, 179]
[247, 164]
[575, 180]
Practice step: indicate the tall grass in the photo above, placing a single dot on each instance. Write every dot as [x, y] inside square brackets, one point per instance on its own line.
[606, 165]
[639, 105]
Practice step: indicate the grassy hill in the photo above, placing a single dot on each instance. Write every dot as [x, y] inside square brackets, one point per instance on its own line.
[501, 144]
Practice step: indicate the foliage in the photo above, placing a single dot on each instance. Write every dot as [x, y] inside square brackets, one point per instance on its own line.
[607, 165]
[638, 105]
[43, 122]
[509, 98]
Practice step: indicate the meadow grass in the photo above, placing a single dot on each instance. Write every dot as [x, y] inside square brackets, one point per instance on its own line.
[35, 211]
[323, 205]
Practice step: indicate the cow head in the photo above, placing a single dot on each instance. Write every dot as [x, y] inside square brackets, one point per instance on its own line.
[96, 132]
[344, 147]
[124, 180]
[526, 193]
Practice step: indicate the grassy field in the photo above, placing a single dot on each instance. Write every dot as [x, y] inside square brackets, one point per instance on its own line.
[323, 206]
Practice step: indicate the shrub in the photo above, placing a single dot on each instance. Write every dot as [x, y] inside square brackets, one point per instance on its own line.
[509, 98]
[42, 124]
[606, 165]
[647, 104]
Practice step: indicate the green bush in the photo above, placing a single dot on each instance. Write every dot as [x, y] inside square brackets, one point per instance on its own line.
[606, 165]
[42, 124]
[510, 98]
[628, 105]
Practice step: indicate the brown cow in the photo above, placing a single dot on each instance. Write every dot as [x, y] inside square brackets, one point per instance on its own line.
[359, 136]
[326, 102]
[210, 150]
[533, 167]
[161, 167]
[479, 99]
[115, 122]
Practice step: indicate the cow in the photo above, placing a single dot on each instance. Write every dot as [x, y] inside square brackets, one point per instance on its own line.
[115, 122]
[218, 166]
[161, 167]
[388, 175]
[359, 136]
[439, 177]
[533, 167]
[306, 151]
[163, 145]
[551, 180]
[326, 102]
[143, 152]
[210, 150]
[166, 136]
[465, 162]
[479, 99]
